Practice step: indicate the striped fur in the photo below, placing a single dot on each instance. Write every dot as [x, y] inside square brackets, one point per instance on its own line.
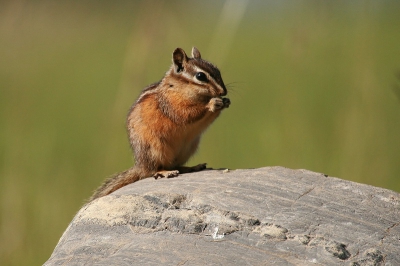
[166, 121]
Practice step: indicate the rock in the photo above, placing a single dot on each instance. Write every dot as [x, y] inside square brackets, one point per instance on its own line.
[263, 216]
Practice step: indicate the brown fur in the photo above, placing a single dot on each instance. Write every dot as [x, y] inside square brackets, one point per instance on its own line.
[166, 122]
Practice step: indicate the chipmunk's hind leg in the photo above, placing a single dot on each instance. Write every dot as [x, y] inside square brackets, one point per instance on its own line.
[181, 170]
[165, 173]
[190, 169]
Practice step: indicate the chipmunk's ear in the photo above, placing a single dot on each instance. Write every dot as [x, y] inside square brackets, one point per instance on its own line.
[180, 58]
[196, 53]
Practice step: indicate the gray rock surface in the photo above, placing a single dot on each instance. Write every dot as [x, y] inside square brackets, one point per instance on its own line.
[266, 216]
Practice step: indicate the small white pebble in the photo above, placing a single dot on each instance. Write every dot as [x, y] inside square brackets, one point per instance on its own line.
[215, 235]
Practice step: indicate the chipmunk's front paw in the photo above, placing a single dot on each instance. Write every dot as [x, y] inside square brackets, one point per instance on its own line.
[226, 102]
[218, 104]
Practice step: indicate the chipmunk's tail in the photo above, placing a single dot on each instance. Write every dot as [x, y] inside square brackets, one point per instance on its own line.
[117, 181]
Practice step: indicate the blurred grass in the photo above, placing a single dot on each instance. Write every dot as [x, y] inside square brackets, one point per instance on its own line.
[313, 85]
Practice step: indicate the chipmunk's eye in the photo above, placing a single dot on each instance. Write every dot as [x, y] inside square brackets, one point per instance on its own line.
[201, 76]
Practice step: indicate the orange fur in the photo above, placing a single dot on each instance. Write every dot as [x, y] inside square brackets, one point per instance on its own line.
[166, 122]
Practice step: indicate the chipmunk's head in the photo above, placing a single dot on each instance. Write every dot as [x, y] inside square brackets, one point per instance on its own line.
[197, 71]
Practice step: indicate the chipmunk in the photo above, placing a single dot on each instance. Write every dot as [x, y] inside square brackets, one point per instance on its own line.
[166, 121]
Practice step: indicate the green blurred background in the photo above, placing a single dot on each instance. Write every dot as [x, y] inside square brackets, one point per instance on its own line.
[313, 84]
